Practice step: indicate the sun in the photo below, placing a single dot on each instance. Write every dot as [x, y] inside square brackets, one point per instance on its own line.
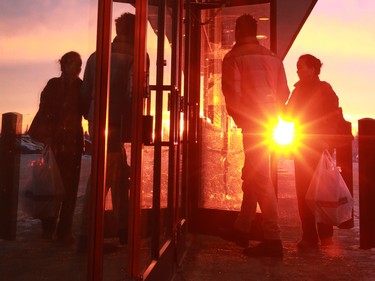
[284, 133]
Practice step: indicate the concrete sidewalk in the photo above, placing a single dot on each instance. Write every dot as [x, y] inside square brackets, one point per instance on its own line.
[208, 258]
[214, 259]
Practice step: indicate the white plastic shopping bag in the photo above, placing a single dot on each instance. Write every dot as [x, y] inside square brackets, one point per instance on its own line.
[45, 190]
[328, 195]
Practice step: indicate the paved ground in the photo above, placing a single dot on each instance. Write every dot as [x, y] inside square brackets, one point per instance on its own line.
[214, 259]
[208, 258]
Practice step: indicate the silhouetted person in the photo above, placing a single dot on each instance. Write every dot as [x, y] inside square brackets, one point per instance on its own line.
[313, 107]
[119, 119]
[255, 87]
[61, 110]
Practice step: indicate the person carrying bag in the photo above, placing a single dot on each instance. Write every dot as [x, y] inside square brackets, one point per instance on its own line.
[44, 191]
[328, 195]
[58, 124]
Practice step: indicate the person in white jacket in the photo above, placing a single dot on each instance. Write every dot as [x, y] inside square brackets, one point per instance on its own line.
[255, 88]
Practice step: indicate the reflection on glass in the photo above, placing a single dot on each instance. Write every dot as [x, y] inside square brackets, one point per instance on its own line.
[30, 254]
[119, 132]
[33, 255]
[222, 152]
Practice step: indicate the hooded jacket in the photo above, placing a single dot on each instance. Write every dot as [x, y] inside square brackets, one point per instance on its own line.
[254, 84]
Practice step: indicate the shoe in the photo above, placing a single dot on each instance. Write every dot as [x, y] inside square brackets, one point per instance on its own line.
[266, 248]
[304, 244]
[326, 241]
[240, 238]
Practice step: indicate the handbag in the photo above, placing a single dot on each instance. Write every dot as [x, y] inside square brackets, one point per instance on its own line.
[328, 195]
[44, 191]
[40, 130]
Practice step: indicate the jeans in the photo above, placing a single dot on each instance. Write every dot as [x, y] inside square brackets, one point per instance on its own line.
[118, 181]
[258, 188]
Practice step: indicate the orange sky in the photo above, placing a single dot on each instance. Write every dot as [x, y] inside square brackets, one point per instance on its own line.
[340, 33]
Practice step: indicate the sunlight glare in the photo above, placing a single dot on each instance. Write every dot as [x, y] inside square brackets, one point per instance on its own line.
[284, 132]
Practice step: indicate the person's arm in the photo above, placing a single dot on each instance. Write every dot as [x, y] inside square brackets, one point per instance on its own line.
[87, 87]
[231, 87]
[47, 111]
[282, 89]
[288, 111]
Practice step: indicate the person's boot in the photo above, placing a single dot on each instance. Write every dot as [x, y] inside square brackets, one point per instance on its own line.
[266, 248]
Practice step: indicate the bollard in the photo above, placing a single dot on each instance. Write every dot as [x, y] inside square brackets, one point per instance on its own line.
[9, 174]
[344, 160]
[366, 167]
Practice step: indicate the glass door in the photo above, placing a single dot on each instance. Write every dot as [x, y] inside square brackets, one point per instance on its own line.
[151, 152]
[218, 149]
[158, 230]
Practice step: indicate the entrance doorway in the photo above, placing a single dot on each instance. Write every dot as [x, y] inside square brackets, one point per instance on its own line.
[219, 154]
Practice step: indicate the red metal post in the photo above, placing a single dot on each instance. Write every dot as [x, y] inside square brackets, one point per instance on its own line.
[366, 166]
[98, 171]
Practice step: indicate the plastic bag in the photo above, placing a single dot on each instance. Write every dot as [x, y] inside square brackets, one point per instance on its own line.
[328, 195]
[45, 190]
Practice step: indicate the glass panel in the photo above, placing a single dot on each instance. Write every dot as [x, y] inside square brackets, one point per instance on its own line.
[167, 134]
[222, 152]
[164, 211]
[57, 28]
[155, 189]
[148, 150]
[146, 206]
[118, 142]
[181, 193]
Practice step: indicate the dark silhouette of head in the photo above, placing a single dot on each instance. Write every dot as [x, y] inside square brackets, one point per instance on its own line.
[125, 25]
[70, 63]
[311, 62]
[246, 26]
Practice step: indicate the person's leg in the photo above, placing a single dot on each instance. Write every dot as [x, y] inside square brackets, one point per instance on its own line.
[119, 184]
[260, 183]
[112, 179]
[305, 163]
[69, 162]
[260, 186]
[248, 204]
[123, 200]
[303, 173]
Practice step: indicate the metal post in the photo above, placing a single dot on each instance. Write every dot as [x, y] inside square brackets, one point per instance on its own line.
[9, 174]
[344, 160]
[366, 166]
[99, 152]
